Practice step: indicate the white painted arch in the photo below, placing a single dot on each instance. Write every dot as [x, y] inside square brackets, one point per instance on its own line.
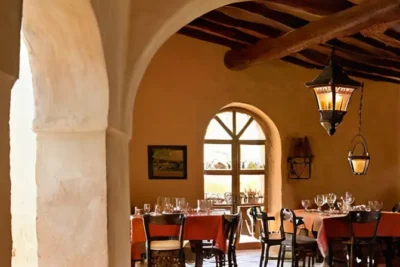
[154, 22]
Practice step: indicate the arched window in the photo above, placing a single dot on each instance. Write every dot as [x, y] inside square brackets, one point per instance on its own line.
[234, 159]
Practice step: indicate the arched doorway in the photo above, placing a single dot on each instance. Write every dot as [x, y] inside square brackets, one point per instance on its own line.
[234, 159]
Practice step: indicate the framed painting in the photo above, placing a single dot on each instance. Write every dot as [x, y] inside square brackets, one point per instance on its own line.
[167, 162]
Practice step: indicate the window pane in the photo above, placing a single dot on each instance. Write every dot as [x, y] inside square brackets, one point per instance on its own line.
[217, 157]
[253, 187]
[253, 132]
[215, 131]
[218, 185]
[252, 157]
[227, 119]
[241, 120]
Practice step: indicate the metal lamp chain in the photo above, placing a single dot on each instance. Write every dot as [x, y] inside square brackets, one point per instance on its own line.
[360, 111]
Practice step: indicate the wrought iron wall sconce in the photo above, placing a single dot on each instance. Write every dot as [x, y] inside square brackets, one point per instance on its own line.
[299, 159]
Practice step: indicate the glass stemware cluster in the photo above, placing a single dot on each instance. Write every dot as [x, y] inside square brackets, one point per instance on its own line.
[320, 200]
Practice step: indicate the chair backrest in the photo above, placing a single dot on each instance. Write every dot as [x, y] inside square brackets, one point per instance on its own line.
[288, 217]
[396, 207]
[164, 219]
[364, 217]
[253, 213]
[232, 228]
[264, 227]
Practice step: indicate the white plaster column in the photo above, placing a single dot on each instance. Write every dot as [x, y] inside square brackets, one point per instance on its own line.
[58, 169]
[71, 199]
[119, 207]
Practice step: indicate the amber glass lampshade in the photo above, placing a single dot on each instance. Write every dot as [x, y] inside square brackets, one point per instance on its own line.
[333, 90]
[359, 162]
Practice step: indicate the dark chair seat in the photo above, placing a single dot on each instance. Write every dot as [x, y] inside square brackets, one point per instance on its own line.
[301, 240]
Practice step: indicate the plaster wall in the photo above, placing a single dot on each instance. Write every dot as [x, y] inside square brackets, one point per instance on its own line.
[23, 161]
[187, 83]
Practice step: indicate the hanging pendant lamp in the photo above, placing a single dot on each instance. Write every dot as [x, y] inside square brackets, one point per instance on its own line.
[333, 90]
[359, 162]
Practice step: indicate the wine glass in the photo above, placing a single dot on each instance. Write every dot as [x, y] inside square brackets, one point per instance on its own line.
[378, 205]
[349, 199]
[340, 205]
[146, 208]
[305, 203]
[180, 203]
[331, 199]
[319, 201]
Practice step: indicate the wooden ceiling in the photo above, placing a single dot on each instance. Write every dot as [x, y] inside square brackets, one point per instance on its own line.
[253, 29]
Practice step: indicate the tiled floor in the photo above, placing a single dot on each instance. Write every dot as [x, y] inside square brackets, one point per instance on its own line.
[245, 258]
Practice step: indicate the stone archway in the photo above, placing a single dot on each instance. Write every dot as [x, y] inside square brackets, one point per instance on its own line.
[58, 161]
[151, 24]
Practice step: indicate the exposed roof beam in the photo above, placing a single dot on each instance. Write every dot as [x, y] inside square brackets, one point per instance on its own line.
[210, 37]
[318, 7]
[344, 23]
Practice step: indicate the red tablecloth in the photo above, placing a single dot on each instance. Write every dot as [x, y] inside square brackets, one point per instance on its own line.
[201, 227]
[336, 227]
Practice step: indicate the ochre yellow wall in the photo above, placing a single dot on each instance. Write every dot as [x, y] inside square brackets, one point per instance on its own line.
[187, 83]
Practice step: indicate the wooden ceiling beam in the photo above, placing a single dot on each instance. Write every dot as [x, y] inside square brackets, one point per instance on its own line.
[211, 38]
[221, 30]
[223, 19]
[344, 23]
[317, 7]
[346, 63]
[304, 62]
[246, 15]
[260, 9]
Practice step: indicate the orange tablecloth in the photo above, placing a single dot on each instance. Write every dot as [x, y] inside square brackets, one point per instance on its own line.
[197, 227]
[336, 227]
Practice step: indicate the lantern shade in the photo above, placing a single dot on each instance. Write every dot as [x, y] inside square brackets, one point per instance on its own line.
[359, 163]
[333, 90]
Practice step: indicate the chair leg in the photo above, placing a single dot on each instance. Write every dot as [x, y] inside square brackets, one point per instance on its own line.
[266, 256]
[283, 255]
[230, 257]
[222, 259]
[262, 253]
[279, 255]
[330, 254]
[234, 257]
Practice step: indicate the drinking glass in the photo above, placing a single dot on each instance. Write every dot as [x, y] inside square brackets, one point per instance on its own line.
[340, 205]
[209, 206]
[158, 209]
[378, 205]
[331, 199]
[305, 203]
[146, 208]
[180, 203]
[349, 199]
[319, 201]
[201, 206]
[138, 212]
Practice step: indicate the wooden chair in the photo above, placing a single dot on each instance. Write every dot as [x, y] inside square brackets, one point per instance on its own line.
[268, 238]
[362, 217]
[232, 225]
[164, 250]
[231, 232]
[302, 247]
[396, 207]
[253, 213]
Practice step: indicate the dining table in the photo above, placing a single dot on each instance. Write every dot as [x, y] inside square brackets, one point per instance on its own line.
[332, 226]
[198, 227]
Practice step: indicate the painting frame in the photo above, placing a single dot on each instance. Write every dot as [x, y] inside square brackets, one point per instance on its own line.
[167, 162]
